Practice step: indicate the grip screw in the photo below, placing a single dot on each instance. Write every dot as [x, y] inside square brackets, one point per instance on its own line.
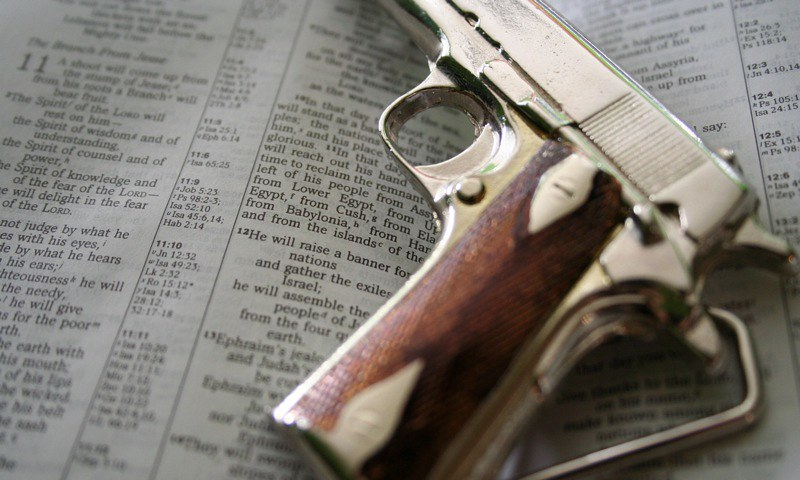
[727, 154]
[470, 190]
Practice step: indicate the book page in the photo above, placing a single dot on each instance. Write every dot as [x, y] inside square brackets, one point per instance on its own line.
[729, 71]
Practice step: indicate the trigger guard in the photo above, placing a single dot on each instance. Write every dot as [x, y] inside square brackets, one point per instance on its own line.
[438, 91]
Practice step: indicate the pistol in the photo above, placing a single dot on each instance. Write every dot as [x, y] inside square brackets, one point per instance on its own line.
[582, 211]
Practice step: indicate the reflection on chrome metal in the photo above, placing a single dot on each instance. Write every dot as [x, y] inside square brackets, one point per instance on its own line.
[522, 75]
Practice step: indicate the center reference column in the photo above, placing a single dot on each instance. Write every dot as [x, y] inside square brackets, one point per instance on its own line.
[134, 398]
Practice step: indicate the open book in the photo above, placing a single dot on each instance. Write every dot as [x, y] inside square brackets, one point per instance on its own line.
[196, 210]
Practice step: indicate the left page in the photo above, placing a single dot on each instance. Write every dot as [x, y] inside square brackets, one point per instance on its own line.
[116, 115]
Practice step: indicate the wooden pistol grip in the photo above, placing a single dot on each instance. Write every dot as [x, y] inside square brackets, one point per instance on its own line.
[466, 319]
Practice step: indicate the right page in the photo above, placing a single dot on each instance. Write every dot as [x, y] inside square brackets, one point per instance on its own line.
[730, 71]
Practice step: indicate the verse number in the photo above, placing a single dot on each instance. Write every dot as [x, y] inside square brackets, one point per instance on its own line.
[30, 61]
